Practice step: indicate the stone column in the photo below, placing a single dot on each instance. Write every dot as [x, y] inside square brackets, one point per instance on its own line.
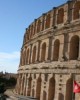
[18, 85]
[42, 87]
[47, 50]
[37, 45]
[47, 85]
[52, 49]
[56, 87]
[66, 13]
[40, 53]
[35, 21]
[56, 14]
[38, 50]
[24, 89]
[27, 80]
[79, 50]
[37, 75]
[32, 85]
[30, 59]
[21, 85]
[61, 48]
[27, 88]
[27, 83]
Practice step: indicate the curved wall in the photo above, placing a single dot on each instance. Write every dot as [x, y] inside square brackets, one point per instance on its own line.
[50, 54]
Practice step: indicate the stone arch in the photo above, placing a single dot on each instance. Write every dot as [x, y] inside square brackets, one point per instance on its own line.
[29, 86]
[60, 16]
[51, 89]
[27, 56]
[43, 53]
[61, 96]
[69, 89]
[76, 10]
[38, 87]
[47, 25]
[56, 50]
[34, 55]
[38, 25]
[44, 95]
[74, 48]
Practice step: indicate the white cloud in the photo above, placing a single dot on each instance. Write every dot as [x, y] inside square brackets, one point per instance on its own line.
[9, 61]
[13, 55]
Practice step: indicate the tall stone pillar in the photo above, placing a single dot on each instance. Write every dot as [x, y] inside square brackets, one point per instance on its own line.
[47, 86]
[61, 48]
[79, 50]
[56, 87]
[18, 85]
[30, 59]
[36, 51]
[27, 80]
[32, 85]
[36, 85]
[24, 88]
[21, 90]
[42, 87]
[52, 49]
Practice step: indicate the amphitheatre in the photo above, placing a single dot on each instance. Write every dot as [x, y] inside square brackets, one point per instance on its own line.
[50, 54]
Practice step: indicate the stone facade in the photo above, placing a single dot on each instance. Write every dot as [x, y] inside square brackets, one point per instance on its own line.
[50, 55]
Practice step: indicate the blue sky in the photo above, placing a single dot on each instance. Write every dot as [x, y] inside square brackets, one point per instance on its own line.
[15, 17]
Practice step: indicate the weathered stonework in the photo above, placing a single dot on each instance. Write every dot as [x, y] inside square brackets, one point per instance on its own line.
[50, 55]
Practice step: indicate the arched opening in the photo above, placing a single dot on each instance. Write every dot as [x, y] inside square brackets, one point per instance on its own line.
[47, 21]
[34, 55]
[69, 89]
[38, 26]
[56, 50]
[32, 92]
[27, 57]
[38, 88]
[44, 95]
[74, 48]
[61, 96]
[43, 53]
[60, 16]
[76, 11]
[51, 89]
[29, 86]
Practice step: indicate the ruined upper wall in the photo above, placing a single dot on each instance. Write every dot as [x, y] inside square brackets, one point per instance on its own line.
[55, 18]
